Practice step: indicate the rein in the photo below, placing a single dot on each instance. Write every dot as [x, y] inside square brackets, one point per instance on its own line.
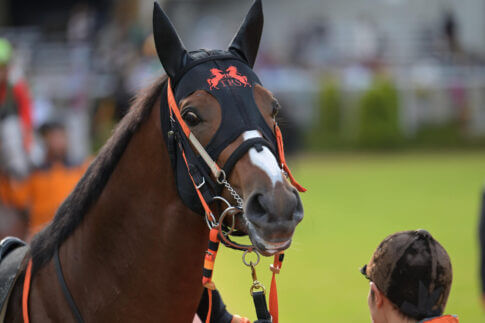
[26, 291]
[218, 232]
[65, 290]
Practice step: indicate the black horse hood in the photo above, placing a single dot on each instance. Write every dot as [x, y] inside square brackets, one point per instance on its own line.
[228, 76]
[231, 81]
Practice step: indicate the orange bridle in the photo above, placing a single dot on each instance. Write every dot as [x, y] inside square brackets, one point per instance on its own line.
[216, 233]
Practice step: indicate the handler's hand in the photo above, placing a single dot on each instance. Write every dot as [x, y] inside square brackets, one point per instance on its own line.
[238, 319]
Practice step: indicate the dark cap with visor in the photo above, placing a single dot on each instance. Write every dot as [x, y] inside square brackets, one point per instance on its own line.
[414, 272]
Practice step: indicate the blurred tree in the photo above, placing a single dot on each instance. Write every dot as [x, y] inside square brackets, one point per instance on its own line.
[327, 130]
[379, 116]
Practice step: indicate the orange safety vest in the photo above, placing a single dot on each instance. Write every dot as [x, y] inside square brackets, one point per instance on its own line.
[442, 319]
[44, 191]
[9, 192]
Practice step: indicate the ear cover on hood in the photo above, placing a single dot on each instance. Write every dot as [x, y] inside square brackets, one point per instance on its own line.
[246, 42]
[170, 48]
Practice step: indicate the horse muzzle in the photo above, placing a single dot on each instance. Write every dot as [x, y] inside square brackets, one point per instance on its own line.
[272, 217]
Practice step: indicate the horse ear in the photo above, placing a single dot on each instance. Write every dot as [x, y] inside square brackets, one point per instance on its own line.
[246, 42]
[170, 49]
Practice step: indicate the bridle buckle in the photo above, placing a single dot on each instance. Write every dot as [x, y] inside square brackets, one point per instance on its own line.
[199, 186]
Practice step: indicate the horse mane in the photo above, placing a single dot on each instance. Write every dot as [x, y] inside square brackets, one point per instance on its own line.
[87, 191]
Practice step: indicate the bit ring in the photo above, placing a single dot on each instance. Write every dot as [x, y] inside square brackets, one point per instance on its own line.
[246, 252]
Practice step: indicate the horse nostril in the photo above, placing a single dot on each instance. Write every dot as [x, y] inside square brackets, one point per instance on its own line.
[255, 206]
[298, 208]
[279, 206]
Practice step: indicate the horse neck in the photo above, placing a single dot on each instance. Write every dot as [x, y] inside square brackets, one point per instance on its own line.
[138, 254]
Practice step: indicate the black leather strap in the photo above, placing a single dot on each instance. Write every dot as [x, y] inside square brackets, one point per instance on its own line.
[261, 308]
[65, 290]
[243, 148]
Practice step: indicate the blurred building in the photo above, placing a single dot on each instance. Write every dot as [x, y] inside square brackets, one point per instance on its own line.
[434, 51]
[85, 59]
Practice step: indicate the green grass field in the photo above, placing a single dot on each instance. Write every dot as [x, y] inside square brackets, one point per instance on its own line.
[352, 203]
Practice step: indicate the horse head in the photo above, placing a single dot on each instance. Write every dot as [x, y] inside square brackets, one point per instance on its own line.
[234, 118]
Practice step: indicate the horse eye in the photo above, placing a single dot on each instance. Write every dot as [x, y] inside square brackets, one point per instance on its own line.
[274, 113]
[191, 118]
[276, 109]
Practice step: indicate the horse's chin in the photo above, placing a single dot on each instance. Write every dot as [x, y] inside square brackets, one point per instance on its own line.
[267, 247]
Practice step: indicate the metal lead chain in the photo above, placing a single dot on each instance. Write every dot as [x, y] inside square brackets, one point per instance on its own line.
[237, 198]
[221, 179]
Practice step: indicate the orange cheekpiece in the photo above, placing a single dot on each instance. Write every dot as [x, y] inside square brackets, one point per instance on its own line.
[281, 153]
[210, 258]
[174, 108]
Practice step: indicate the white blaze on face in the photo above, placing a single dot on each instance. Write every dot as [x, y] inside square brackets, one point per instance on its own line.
[264, 159]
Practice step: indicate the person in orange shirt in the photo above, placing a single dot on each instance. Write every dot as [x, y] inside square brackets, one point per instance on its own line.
[48, 185]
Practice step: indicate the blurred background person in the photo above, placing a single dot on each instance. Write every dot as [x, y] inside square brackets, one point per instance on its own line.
[15, 143]
[51, 182]
[15, 99]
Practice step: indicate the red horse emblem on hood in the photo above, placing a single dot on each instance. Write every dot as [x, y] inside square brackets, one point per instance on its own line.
[231, 77]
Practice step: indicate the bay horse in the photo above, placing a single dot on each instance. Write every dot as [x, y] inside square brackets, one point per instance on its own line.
[131, 244]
